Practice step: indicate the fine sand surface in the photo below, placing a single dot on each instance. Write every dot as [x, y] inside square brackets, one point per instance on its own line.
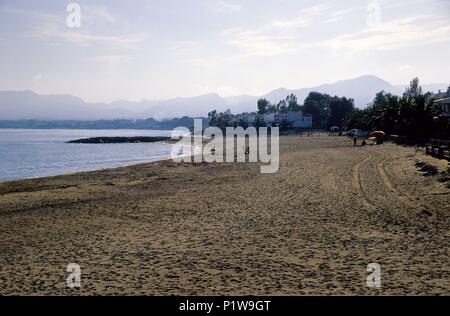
[226, 229]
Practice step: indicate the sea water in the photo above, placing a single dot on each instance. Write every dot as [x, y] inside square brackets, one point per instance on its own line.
[31, 153]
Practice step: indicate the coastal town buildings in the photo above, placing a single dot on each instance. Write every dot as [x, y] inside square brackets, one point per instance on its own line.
[292, 119]
[442, 101]
[289, 120]
[300, 120]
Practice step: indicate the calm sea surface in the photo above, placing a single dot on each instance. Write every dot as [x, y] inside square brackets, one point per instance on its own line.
[30, 153]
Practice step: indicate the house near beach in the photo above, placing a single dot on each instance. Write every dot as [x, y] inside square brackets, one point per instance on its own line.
[269, 119]
[300, 120]
[297, 120]
[281, 119]
[442, 101]
[294, 119]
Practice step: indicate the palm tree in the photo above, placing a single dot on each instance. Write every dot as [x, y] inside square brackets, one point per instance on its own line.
[384, 113]
[424, 112]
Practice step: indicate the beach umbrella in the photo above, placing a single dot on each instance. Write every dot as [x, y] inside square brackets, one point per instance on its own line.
[356, 133]
[377, 134]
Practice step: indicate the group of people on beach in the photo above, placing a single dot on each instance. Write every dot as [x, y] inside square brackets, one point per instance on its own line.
[378, 141]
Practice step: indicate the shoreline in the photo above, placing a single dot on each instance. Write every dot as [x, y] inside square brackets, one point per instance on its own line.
[165, 142]
[133, 164]
[162, 142]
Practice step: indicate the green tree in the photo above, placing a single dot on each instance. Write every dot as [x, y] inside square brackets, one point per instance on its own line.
[272, 108]
[422, 120]
[339, 108]
[259, 122]
[263, 106]
[384, 112]
[317, 104]
[212, 118]
[282, 107]
[357, 119]
[243, 123]
[413, 115]
[414, 89]
[221, 120]
[292, 103]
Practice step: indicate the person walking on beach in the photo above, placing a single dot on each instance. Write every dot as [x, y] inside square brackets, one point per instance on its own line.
[355, 141]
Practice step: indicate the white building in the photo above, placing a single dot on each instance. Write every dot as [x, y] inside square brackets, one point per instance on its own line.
[280, 118]
[295, 119]
[269, 119]
[300, 120]
[442, 101]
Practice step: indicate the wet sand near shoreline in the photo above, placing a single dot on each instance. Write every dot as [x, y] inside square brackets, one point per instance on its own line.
[226, 229]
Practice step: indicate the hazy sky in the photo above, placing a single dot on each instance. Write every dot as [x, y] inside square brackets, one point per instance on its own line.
[161, 49]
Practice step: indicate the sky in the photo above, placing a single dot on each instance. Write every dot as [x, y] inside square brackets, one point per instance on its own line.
[148, 49]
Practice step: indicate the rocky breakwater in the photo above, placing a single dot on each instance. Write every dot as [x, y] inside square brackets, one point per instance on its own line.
[120, 140]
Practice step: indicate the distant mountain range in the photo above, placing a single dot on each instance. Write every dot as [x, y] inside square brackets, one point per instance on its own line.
[18, 105]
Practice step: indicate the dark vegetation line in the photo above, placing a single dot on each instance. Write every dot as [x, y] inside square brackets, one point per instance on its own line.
[414, 115]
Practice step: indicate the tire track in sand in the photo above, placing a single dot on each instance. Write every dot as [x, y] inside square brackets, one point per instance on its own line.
[357, 187]
[403, 198]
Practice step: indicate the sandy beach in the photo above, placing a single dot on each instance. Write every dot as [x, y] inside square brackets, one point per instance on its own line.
[226, 229]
